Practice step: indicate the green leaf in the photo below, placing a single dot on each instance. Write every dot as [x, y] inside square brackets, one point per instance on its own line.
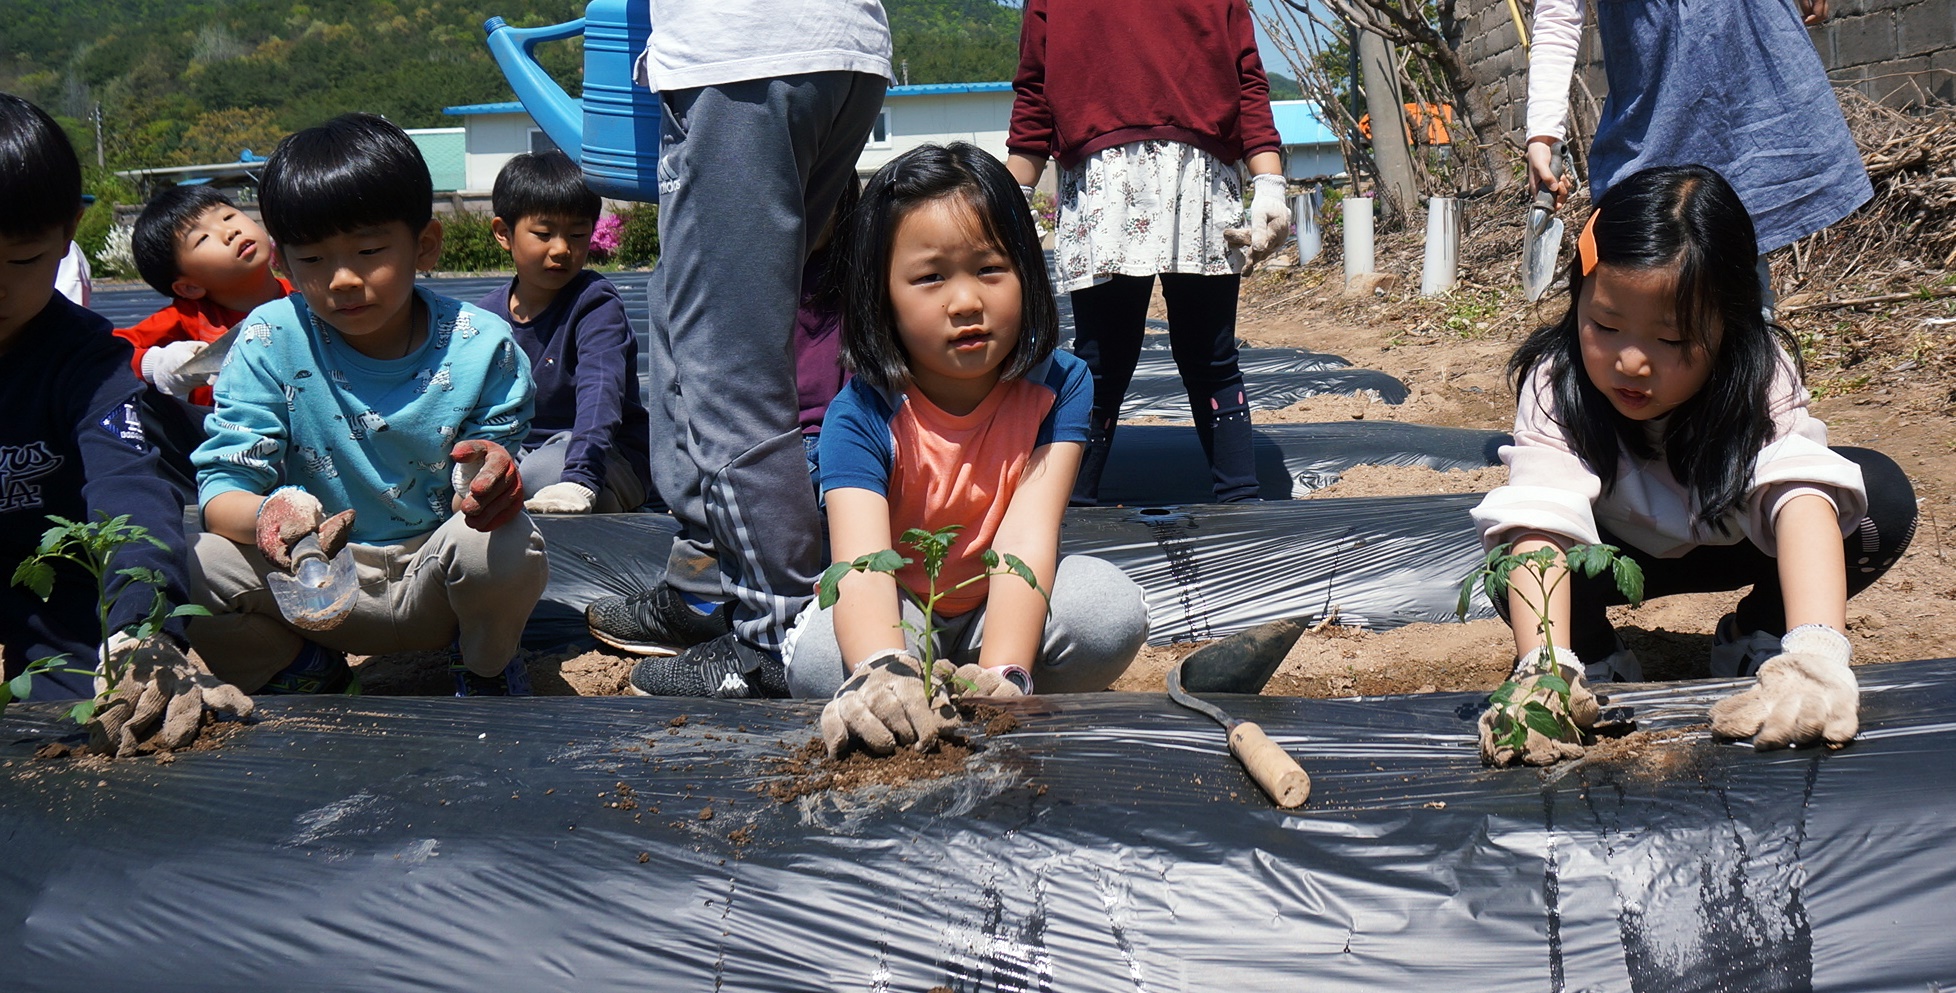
[1023, 571]
[36, 575]
[1629, 578]
[82, 712]
[990, 558]
[21, 686]
[1503, 694]
[1544, 721]
[191, 610]
[886, 560]
[917, 538]
[1554, 683]
[828, 588]
[142, 574]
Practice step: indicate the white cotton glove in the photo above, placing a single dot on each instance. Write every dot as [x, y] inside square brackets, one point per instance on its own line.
[1806, 693]
[161, 366]
[562, 498]
[1501, 722]
[1269, 219]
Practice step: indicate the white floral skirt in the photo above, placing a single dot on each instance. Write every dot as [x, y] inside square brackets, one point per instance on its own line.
[1144, 208]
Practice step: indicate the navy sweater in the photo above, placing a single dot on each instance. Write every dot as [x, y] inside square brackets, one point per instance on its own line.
[585, 361]
[71, 445]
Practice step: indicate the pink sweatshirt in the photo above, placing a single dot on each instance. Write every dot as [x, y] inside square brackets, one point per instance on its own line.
[1550, 489]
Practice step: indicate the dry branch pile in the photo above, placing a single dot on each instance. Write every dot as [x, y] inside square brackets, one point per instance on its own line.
[1910, 226]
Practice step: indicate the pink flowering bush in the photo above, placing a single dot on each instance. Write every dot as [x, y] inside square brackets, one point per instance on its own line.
[606, 237]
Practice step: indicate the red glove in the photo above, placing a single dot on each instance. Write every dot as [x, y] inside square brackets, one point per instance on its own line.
[288, 515]
[488, 483]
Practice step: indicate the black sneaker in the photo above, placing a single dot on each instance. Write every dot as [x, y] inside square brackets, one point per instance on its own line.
[316, 669]
[724, 667]
[656, 622]
[514, 680]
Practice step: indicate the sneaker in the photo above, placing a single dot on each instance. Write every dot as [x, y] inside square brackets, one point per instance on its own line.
[725, 667]
[1735, 655]
[656, 622]
[1620, 666]
[316, 669]
[514, 680]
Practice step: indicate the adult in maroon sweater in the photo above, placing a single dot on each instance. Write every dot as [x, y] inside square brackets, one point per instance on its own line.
[1151, 110]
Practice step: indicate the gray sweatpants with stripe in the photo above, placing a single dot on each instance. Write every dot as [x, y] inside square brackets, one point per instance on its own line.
[748, 174]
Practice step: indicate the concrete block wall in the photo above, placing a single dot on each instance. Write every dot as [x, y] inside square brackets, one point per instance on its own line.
[1897, 51]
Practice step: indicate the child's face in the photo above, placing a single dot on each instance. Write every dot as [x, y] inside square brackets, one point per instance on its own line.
[1632, 348]
[27, 268]
[956, 299]
[361, 282]
[548, 251]
[224, 249]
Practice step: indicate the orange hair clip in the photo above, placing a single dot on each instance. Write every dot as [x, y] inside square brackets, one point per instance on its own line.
[1586, 245]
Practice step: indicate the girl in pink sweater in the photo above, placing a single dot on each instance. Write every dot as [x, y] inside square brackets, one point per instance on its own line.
[1663, 415]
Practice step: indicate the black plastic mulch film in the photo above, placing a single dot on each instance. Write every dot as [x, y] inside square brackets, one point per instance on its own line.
[1108, 843]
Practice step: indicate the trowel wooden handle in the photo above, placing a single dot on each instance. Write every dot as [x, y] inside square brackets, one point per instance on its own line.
[1268, 764]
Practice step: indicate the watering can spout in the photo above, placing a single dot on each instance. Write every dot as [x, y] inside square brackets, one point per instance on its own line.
[556, 112]
[613, 130]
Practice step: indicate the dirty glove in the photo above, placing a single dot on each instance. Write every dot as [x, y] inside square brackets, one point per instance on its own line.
[1269, 219]
[974, 680]
[1508, 735]
[163, 367]
[1804, 694]
[288, 515]
[562, 498]
[160, 695]
[885, 705]
[488, 483]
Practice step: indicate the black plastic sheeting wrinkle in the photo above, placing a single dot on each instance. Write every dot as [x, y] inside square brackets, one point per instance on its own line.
[1108, 843]
[1207, 571]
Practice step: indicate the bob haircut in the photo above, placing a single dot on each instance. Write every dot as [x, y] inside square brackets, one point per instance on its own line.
[354, 171]
[543, 184]
[164, 220]
[40, 177]
[1689, 220]
[871, 347]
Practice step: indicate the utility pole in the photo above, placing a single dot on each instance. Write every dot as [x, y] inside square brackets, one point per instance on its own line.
[98, 135]
[1388, 112]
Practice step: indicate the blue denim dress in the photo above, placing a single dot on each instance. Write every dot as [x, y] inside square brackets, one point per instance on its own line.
[1734, 85]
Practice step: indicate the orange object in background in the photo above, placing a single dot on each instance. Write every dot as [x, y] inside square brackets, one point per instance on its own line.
[1426, 124]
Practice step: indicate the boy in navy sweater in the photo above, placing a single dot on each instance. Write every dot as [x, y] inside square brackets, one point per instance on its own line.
[587, 448]
[71, 445]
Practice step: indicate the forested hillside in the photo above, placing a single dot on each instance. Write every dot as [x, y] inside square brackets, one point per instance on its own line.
[183, 81]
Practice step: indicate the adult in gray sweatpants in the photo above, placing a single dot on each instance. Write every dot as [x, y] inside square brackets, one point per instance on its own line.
[766, 107]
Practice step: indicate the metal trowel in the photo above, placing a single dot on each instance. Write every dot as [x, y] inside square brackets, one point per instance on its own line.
[319, 593]
[211, 359]
[1242, 663]
[1543, 239]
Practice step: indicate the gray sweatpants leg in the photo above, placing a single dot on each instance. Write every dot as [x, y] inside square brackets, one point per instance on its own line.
[743, 169]
[1098, 624]
[543, 466]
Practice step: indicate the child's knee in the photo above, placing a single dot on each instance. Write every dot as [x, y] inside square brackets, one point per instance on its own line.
[1100, 620]
[814, 658]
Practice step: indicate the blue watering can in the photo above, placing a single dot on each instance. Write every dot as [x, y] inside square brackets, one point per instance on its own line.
[613, 133]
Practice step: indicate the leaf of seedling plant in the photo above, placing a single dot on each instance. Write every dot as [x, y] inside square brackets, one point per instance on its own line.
[83, 712]
[1542, 720]
[36, 575]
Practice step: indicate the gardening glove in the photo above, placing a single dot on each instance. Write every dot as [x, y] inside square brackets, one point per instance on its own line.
[1269, 219]
[1499, 722]
[562, 498]
[998, 681]
[1804, 694]
[288, 515]
[488, 483]
[886, 705]
[161, 695]
[163, 367]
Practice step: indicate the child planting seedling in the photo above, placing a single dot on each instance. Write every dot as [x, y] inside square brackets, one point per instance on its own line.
[922, 703]
[165, 683]
[1545, 709]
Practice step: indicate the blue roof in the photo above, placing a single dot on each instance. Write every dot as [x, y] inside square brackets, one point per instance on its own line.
[928, 89]
[508, 107]
[1298, 124]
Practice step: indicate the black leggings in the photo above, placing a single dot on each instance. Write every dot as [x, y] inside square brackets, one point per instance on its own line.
[1109, 319]
[1871, 549]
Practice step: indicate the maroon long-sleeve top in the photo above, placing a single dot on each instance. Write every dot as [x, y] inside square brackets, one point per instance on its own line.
[1094, 74]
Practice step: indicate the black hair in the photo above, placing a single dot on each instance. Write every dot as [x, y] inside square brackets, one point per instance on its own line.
[871, 347]
[1687, 219]
[826, 256]
[40, 177]
[543, 184]
[161, 224]
[354, 171]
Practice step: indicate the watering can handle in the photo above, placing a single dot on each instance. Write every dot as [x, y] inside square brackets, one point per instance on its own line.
[531, 37]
